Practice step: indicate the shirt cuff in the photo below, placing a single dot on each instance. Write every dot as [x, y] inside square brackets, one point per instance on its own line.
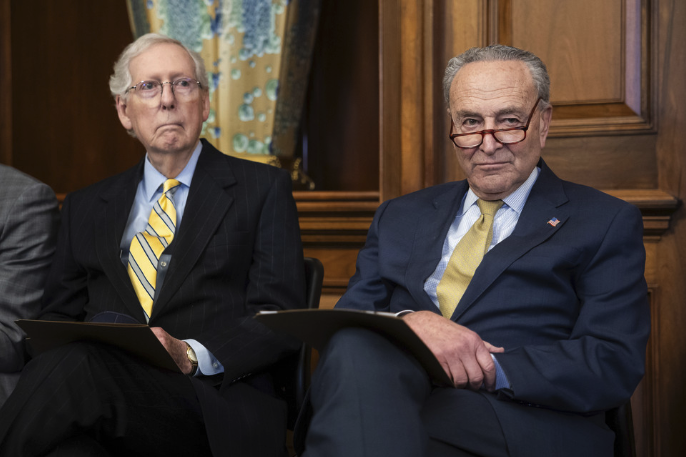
[501, 381]
[208, 364]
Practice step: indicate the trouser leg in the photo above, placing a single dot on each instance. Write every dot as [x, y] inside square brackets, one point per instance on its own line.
[371, 398]
[96, 390]
[367, 396]
[462, 423]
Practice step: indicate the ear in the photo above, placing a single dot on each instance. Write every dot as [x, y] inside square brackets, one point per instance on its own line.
[122, 112]
[205, 105]
[546, 117]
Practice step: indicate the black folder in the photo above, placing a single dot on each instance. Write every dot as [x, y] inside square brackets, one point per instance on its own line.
[316, 326]
[137, 339]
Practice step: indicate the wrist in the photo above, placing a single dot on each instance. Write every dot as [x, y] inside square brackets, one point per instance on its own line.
[193, 359]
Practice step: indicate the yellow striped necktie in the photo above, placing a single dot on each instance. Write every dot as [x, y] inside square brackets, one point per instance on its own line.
[147, 247]
[466, 257]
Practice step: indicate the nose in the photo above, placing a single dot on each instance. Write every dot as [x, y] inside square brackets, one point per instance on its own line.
[490, 145]
[167, 99]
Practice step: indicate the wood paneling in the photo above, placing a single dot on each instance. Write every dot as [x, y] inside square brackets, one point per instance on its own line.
[670, 414]
[390, 116]
[600, 56]
[571, 57]
[65, 130]
[334, 227]
[5, 82]
[407, 90]
[341, 130]
[604, 162]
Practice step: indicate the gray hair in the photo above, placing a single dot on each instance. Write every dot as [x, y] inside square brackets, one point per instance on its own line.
[121, 79]
[499, 52]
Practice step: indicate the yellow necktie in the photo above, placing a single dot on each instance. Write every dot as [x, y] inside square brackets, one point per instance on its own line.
[147, 247]
[466, 258]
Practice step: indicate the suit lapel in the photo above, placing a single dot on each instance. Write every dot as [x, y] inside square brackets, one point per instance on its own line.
[429, 240]
[546, 201]
[117, 201]
[206, 208]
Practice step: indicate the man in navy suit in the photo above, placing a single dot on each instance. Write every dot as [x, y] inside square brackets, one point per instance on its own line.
[235, 251]
[551, 330]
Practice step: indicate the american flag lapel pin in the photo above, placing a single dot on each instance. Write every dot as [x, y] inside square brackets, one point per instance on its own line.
[553, 222]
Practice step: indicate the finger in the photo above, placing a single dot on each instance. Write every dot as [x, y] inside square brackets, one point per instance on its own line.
[446, 368]
[460, 375]
[494, 349]
[473, 372]
[487, 366]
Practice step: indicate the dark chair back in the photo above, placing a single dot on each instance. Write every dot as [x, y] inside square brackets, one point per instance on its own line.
[621, 422]
[296, 383]
[314, 277]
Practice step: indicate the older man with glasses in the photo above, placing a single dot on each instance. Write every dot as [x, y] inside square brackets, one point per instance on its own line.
[528, 289]
[191, 242]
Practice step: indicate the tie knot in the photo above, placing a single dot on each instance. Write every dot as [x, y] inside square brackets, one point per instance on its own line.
[169, 184]
[489, 207]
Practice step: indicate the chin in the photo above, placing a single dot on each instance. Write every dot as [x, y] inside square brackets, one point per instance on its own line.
[170, 144]
[495, 191]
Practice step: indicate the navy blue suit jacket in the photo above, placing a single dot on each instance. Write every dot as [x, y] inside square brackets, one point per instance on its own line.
[236, 252]
[567, 302]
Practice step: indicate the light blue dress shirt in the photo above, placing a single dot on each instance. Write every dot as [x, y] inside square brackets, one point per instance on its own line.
[504, 224]
[148, 192]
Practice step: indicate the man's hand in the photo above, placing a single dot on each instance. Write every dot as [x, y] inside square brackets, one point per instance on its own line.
[175, 348]
[465, 357]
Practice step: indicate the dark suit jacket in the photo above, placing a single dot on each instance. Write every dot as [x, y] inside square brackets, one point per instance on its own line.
[236, 252]
[567, 302]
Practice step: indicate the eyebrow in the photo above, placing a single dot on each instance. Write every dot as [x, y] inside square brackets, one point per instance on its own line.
[507, 110]
[175, 76]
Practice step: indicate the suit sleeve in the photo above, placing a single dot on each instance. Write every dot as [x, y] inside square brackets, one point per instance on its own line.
[27, 244]
[601, 363]
[66, 291]
[367, 290]
[275, 282]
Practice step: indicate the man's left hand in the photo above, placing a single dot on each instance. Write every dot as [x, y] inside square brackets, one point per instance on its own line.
[464, 356]
[175, 348]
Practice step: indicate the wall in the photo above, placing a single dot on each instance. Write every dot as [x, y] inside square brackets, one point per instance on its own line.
[64, 128]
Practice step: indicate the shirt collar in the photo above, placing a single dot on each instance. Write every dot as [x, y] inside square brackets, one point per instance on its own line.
[515, 200]
[153, 179]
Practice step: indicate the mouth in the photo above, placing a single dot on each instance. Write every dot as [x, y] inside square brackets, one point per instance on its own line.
[491, 165]
[169, 125]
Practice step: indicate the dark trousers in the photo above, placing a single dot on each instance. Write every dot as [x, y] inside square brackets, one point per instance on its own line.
[371, 399]
[90, 399]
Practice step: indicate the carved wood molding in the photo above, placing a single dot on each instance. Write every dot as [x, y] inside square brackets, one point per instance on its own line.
[656, 206]
[342, 218]
[335, 219]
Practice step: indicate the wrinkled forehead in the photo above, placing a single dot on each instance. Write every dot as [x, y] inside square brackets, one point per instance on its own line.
[491, 86]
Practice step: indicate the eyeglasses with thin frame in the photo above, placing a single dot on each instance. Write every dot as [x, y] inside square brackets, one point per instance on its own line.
[151, 89]
[504, 136]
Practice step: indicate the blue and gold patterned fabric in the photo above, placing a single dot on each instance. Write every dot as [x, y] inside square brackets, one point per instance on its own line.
[245, 53]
